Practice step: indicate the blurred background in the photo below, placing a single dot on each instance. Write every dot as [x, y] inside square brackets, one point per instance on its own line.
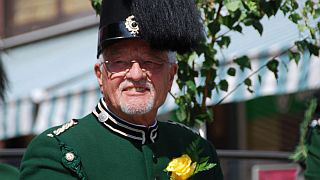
[48, 49]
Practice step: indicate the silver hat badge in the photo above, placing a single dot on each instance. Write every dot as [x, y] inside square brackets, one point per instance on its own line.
[132, 25]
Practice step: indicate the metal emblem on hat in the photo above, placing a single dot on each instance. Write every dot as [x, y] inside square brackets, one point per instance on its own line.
[132, 25]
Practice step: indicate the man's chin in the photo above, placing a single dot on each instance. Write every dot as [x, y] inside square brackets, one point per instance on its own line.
[136, 109]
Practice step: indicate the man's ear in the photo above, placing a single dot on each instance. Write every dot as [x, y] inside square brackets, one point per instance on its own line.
[98, 73]
[172, 73]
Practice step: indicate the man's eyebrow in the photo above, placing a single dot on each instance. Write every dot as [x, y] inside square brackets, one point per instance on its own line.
[112, 52]
[154, 55]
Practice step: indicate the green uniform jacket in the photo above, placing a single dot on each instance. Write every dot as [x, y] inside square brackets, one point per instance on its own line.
[101, 146]
[313, 158]
[8, 172]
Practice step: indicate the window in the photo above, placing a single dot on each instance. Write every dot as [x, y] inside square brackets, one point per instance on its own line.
[22, 16]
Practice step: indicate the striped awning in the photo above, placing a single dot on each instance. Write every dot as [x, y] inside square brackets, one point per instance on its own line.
[44, 66]
[60, 108]
[16, 118]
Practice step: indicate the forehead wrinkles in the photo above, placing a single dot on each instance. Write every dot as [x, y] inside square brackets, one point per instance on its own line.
[135, 51]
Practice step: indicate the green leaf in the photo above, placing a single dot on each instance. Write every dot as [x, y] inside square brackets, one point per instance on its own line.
[193, 150]
[301, 45]
[223, 84]
[270, 8]
[204, 167]
[231, 71]
[210, 114]
[317, 13]
[258, 26]
[313, 49]
[259, 79]
[181, 113]
[238, 28]
[243, 62]
[204, 159]
[295, 17]
[294, 5]
[96, 4]
[285, 8]
[273, 67]
[224, 41]
[250, 90]
[191, 85]
[248, 82]
[214, 27]
[312, 33]
[302, 27]
[233, 5]
[294, 56]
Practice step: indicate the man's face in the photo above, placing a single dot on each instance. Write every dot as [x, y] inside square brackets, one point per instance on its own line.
[136, 90]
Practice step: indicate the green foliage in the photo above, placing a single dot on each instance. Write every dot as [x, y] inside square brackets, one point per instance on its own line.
[243, 62]
[259, 79]
[194, 151]
[273, 67]
[294, 56]
[224, 85]
[231, 71]
[96, 4]
[234, 15]
[248, 83]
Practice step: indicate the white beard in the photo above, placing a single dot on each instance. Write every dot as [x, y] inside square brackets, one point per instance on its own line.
[134, 108]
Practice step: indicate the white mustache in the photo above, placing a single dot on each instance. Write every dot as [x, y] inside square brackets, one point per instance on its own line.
[144, 84]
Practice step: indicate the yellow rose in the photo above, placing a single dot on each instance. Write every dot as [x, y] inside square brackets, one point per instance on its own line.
[181, 168]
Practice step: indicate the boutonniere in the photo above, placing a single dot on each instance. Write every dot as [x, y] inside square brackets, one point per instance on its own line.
[189, 163]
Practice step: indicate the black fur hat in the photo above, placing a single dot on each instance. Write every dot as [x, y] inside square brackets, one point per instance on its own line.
[173, 25]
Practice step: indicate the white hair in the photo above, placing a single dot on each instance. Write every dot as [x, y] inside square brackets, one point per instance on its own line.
[172, 57]
[100, 59]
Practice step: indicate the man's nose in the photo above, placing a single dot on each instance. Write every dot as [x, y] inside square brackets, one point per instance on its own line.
[136, 73]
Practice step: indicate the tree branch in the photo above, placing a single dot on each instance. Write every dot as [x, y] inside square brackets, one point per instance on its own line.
[253, 73]
[208, 76]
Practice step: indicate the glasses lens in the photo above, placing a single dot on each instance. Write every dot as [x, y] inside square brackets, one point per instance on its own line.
[151, 65]
[118, 66]
[121, 65]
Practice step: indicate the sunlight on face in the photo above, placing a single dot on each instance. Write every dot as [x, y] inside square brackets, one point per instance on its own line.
[134, 106]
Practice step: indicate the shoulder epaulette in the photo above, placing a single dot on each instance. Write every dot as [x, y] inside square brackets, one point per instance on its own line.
[184, 126]
[63, 128]
[70, 158]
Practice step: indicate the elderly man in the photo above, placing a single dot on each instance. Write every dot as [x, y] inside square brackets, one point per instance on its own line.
[121, 138]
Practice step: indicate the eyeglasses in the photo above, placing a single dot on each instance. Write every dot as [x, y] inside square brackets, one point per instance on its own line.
[117, 66]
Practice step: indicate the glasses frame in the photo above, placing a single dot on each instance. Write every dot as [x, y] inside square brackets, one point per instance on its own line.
[131, 64]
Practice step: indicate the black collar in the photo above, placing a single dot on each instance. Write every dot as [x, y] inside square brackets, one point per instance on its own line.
[133, 132]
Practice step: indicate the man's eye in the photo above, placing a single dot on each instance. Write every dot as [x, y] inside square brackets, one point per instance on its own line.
[154, 63]
[119, 62]
[148, 63]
